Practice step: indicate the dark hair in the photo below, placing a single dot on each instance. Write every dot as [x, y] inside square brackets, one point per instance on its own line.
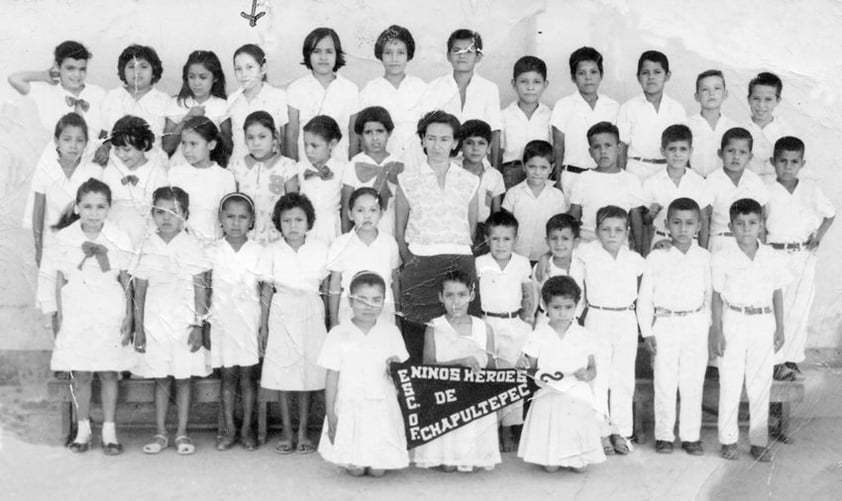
[500, 218]
[583, 54]
[707, 74]
[563, 286]
[144, 52]
[538, 148]
[438, 117]
[744, 207]
[70, 49]
[769, 79]
[263, 118]
[788, 143]
[363, 191]
[255, 52]
[313, 39]
[210, 61]
[653, 56]
[377, 114]
[291, 201]
[173, 194]
[456, 276]
[369, 278]
[92, 185]
[603, 128]
[736, 133]
[465, 34]
[238, 198]
[325, 127]
[527, 64]
[72, 119]
[395, 32]
[683, 203]
[474, 128]
[611, 211]
[204, 127]
[676, 132]
[563, 221]
[132, 131]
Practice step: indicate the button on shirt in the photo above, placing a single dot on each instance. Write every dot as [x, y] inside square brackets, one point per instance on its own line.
[763, 145]
[641, 126]
[573, 116]
[749, 282]
[501, 290]
[518, 129]
[401, 103]
[482, 100]
[608, 282]
[675, 281]
[661, 189]
[706, 143]
[532, 213]
[725, 193]
[793, 217]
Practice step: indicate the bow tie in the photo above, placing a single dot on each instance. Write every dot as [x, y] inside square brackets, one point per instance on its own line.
[131, 178]
[98, 251]
[388, 172]
[77, 104]
[323, 172]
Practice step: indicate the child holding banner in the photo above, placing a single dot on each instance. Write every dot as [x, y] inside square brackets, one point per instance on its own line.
[457, 338]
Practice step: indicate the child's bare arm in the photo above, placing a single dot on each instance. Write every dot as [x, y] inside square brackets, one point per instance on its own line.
[527, 303]
[704, 230]
[587, 373]
[489, 347]
[778, 307]
[267, 290]
[622, 155]
[38, 211]
[429, 356]
[347, 191]
[331, 386]
[20, 80]
[637, 229]
[396, 293]
[558, 153]
[575, 211]
[126, 328]
[291, 185]
[473, 208]
[334, 292]
[353, 139]
[201, 304]
[717, 341]
[496, 203]
[816, 238]
[401, 219]
[291, 135]
[225, 136]
[140, 287]
[496, 150]
[171, 136]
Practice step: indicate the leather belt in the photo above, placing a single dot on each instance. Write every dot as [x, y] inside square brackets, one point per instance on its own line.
[514, 314]
[574, 169]
[659, 161]
[612, 308]
[750, 310]
[665, 312]
[789, 245]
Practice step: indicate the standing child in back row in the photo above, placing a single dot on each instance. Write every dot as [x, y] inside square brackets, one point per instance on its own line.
[764, 95]
[709, 124]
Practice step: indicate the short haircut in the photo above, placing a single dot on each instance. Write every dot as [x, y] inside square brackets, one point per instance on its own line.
[92, 185]
[766, 78]
[437, 117]
[395, 32]
[788, 143]
[683, 203]
[603, 128]
[583, 54]
[144, 52]
[369, 278]
[325, 127]
[527, 64]
[377, 114]
[707, 74]
[263, 118]
[474, 128]
[502, 218]
[72, 119]
[611, 212]
[70, 49]
[256, 53]
[744, 207]
[363, 191]
[173, 194]
[465, 34]
[654, 56]
[456, 276]
[132, 131]
[313, 39]
[676, 132]
[291, 201]
[736, 133]
[563, 221]
[538, 148]
[563, 286]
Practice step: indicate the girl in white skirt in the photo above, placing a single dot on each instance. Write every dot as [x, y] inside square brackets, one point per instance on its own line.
[87, 292]
[562, 427]
[292, 323]
[363, 429]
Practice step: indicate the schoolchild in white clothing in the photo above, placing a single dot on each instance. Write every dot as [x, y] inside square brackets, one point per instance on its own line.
[764, 95]
[363, 430]
[320, 176]
[562, 239]
[474, 140]
[709, 124]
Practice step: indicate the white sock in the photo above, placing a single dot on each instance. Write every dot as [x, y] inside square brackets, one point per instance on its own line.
[83, 431]
[109, 433]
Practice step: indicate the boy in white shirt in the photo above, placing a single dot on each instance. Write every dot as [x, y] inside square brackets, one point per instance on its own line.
[709, 124]
[474, 140]
[764, 94]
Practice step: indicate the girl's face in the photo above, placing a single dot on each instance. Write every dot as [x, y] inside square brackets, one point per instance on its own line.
[375, 137]
[612, 233]
[456, 296]
[438, 142]
[260, 141]
[323, 57]
[561, 309]
[92, 209]
[200, 80]
[131, 157]
[365, 213]
[367, 302]
[138, 74]
[72, 73]
[394, 57]
[196, 149]
[71, 142]
[317, 149]
[248, 72]
[236, 219]
[294, 225]
[168, 217]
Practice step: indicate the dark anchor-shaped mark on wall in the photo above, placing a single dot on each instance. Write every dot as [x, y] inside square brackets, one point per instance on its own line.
[254, 16]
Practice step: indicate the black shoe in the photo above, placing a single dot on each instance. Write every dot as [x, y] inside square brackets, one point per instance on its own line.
[793, 366]
[712, 373]
[782, 372]
[693, 448]
[112, 449]
[79, 447]
[779, 436]
[730, 452]
[663, 447]
[761, 454]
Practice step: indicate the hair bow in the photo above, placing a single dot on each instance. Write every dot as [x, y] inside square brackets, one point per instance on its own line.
[98, 251]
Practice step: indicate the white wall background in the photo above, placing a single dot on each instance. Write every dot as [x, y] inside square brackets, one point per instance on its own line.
[798, 40]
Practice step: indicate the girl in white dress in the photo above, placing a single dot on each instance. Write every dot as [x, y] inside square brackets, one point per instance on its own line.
[320, 176]
[132, 176]
[562, 427]
[363, 430]
[88, 294]
[235, 315]
[172, 283]
[202, 94]
[458, 338]
[292, 320]
[264, 173]
[202, 177]
[322, 92]
[365, 247]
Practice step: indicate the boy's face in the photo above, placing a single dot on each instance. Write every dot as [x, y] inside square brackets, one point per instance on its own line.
[604, 150]
[677, 153]
[463, 56]
[652, 77]
[562, 242]
[736, 155]
[72, 73]
[375, 137]
[788, 164]
[683, 226]
[587, 77]
[529, 86]
[455, 296]
[561, 309]
[474, 149]
[538, 170]
[762, 102]
[746, 228]
[711, 92]
[439, 142]
[367, 302]
[612, 233]
[501, 241]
